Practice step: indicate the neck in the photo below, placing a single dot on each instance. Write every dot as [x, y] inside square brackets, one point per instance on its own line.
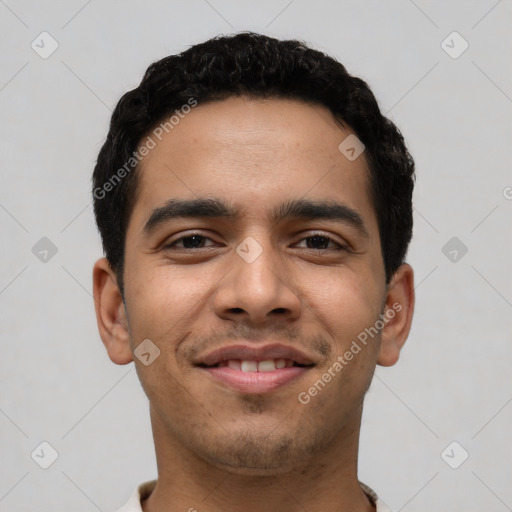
[326, 482]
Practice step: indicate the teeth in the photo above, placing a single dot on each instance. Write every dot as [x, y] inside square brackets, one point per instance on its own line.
[257, 366]
[266, 366]
[234, 363]
[249, 366]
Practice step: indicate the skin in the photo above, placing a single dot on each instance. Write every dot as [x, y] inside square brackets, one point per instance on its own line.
[219, 449]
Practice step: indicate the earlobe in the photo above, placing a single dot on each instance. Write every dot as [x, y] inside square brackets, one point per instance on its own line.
[397, 315]
[111, 313]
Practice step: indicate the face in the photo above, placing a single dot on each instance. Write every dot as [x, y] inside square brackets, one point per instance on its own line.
[253, 244]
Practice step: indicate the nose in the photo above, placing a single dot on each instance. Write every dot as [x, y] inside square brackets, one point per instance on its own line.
[257, 291]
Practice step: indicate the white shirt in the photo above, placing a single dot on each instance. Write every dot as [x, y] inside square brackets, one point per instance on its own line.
[145, 489]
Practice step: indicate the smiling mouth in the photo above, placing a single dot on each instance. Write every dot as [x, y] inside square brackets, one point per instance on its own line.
[255, 377]
[245, 365]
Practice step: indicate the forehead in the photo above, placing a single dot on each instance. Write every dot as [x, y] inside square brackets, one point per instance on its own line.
[254, 153]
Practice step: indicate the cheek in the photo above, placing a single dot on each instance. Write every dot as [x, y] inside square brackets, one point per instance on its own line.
[166, 307]
[159, 299]
[344, 302]
[162, 307]
[343, 307]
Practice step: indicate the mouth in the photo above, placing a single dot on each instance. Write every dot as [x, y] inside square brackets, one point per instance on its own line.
[248, 369]
[268, 365]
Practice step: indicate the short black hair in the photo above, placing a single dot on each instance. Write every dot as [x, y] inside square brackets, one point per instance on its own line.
[257, 66]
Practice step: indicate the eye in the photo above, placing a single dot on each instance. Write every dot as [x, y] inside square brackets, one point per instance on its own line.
[192, 241]
[321, 242]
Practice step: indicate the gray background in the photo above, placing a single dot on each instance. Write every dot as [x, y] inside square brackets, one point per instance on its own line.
[453, 382]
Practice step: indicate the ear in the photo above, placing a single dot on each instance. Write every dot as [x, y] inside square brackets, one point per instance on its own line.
[111, 313]
[398, 313]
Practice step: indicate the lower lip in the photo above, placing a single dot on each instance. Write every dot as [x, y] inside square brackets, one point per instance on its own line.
[256, 382]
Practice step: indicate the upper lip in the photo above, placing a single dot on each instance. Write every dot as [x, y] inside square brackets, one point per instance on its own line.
[252, 353]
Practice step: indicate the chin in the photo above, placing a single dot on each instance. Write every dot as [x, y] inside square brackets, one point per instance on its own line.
[261, 455]
[257, 472]
[231, 463]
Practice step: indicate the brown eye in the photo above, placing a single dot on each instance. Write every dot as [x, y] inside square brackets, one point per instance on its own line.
[318, 242]
[321, 242]
[193, 241]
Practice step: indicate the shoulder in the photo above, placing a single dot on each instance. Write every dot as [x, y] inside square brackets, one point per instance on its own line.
[380, 506]
[141, 492]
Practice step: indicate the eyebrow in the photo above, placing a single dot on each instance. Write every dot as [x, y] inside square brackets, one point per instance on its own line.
[327, 210]
[183, 208]
[215, 208]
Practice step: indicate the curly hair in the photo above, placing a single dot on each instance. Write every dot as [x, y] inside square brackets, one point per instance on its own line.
[256, 66]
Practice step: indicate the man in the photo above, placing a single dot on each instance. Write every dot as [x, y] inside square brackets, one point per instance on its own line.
[255, 211]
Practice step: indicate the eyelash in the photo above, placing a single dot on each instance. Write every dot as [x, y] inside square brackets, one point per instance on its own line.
[340, 247]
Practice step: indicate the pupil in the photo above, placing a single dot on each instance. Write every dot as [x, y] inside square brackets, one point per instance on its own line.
[192, 241]
[321, 239]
